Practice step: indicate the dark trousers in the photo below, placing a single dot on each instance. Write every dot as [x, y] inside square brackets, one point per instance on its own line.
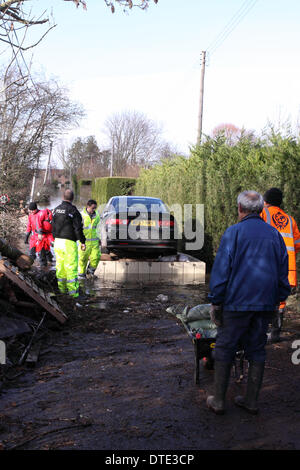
[33, 252]
[243, 330]
[43, 255]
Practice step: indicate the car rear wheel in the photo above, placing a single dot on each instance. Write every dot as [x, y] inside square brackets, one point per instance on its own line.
[104, 250]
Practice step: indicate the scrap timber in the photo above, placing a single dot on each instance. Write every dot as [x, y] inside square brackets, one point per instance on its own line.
[25, 283]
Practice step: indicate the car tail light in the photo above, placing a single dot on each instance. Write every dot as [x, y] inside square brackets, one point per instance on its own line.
[166, 223]
[116, 222]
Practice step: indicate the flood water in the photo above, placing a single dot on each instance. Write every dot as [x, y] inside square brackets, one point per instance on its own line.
[57, 197]
[188, 294]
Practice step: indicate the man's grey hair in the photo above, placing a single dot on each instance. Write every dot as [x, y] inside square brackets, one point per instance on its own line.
[68, 195]
[251, 201]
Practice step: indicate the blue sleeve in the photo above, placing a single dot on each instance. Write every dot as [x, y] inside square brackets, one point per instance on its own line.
[283, 282]
[221, 269]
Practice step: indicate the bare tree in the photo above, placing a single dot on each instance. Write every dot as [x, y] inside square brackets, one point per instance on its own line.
[134, 139]
[168, 151]
[84, 158]
[31, 116]
[16, 16]
[128, 4]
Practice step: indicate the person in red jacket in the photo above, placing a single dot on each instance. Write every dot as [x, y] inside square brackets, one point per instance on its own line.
[44, 235]
[39, 230]
[31, 229]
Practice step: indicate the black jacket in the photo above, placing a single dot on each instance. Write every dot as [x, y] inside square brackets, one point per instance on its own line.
[67, 222]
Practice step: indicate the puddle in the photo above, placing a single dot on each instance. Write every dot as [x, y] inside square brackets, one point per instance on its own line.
[97, 289]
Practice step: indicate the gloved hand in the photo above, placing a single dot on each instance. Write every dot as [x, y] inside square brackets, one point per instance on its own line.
[27, 238]
[216, 314]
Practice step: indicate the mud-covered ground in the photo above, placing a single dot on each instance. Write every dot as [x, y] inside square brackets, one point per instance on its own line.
[119, 376]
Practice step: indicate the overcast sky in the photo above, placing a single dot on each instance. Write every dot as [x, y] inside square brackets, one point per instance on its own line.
[149, 61]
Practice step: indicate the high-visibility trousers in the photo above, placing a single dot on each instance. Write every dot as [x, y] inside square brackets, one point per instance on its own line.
[66, 254]
[91, 254]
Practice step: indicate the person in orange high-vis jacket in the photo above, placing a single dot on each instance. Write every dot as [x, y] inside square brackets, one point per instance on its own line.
[287, 226]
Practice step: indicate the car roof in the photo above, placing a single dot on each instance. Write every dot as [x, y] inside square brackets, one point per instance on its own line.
[137, 197]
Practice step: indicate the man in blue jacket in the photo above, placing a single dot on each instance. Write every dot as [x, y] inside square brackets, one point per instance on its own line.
[248, 281]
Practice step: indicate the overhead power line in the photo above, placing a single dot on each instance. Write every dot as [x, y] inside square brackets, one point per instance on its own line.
[231, 25]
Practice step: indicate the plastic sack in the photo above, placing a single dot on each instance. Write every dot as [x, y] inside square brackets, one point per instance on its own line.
[196, 319]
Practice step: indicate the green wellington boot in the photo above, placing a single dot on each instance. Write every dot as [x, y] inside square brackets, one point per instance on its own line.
[255, 377]
[276, 326]
[216, 402]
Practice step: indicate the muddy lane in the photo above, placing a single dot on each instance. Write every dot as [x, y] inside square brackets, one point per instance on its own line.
[119, 375]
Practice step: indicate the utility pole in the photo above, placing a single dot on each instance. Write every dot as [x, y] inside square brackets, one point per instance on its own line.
[48, 165]
[200, 115]
[35, 171]
[112, 156]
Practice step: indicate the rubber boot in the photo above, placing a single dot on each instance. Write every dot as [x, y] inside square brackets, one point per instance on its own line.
[216, 402]
[42, 258]
[255, 377]
[49, 256]
[276, 326]
[91, 270]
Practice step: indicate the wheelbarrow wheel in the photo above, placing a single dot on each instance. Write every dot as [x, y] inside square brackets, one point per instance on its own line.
[208, 363]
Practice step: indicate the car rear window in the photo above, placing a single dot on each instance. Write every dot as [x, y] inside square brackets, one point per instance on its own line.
[154, 205]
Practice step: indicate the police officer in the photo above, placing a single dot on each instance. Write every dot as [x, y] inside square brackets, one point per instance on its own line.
[67, 229]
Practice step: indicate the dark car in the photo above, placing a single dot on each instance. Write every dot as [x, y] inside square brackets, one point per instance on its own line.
[138, 224]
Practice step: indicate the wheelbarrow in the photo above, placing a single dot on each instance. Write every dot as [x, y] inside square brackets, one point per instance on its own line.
[203, 346]
[203, 332]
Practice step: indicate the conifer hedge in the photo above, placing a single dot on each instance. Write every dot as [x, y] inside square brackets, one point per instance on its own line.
[104, 188]
[217, 171]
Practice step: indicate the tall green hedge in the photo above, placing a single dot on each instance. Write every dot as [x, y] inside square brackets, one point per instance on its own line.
[75, 184]
[78, 182]
[216, 172]
[104, 188]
